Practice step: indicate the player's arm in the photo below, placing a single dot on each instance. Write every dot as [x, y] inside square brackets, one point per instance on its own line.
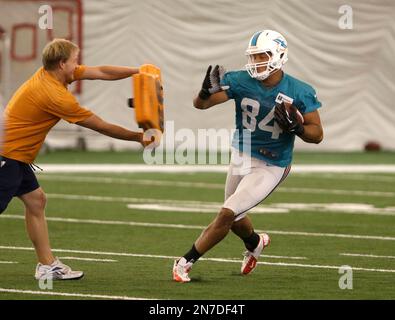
[313, 132]
[97, 124]
[108, 72]
[211, 92]
[216, 98]
[309, 131]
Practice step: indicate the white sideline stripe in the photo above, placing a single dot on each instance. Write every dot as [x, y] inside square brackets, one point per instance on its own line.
[64, 294]
[208, 259]
[138, 254]
[87, 259]
[184, 226]
[341, 168]
[183, 184]
[366, 255]
[8, 262]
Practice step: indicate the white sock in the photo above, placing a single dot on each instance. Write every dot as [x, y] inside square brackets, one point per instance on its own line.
[182, 262]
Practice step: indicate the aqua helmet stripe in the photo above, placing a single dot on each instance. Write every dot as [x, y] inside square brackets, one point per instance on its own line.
[255, 38]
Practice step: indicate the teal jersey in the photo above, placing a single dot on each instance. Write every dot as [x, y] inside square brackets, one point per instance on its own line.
[255, 104]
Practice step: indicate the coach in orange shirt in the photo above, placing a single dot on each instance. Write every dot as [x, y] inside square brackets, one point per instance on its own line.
[33, 110]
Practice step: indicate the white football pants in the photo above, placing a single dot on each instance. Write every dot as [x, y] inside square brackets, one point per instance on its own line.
[249, 182]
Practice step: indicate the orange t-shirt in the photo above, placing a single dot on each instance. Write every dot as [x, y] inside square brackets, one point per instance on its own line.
[33, 110]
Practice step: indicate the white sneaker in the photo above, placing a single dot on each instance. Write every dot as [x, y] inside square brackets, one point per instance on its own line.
[251, 258]
[57, 271]
[180, 270]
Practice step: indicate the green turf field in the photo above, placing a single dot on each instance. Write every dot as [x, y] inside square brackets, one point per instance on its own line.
[89, 218]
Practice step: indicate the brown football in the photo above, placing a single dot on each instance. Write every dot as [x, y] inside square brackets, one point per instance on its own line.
[290, 107]
[372, 146]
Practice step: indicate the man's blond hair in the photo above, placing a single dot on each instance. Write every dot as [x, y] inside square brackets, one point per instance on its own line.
[56, 51]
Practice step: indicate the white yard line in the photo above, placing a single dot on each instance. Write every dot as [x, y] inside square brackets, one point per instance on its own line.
[195, 227]
[343, 208]
[122, 199]
[348, 177]
[132, 168]
[87, 259]
[340, 192]
[209, 168]
[216, 186]
[330, 235]
[75, 295]
[208, 207]
[366, 255]
[206, 259]
[8, 262]
[199, 208]
[185, 184]
[144, 182]
[344, 168]
[315, 266]
[275, 208]
[136, 254]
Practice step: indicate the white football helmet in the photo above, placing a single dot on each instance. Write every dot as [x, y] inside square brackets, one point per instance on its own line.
[274, 45]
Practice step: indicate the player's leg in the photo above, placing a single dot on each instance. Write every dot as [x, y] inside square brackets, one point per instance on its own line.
[213, 234]
[244, 229]
[216, 231]
[221, 225]
[36, 225]
[34, 200]
[253, 189]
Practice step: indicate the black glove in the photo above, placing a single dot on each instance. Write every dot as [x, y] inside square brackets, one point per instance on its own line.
[211, 82]
[288, 121]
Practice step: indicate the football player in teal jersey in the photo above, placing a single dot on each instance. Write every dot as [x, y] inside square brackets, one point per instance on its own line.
[271, 108]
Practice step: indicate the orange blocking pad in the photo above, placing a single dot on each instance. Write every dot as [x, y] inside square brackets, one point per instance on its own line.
[148, 98]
